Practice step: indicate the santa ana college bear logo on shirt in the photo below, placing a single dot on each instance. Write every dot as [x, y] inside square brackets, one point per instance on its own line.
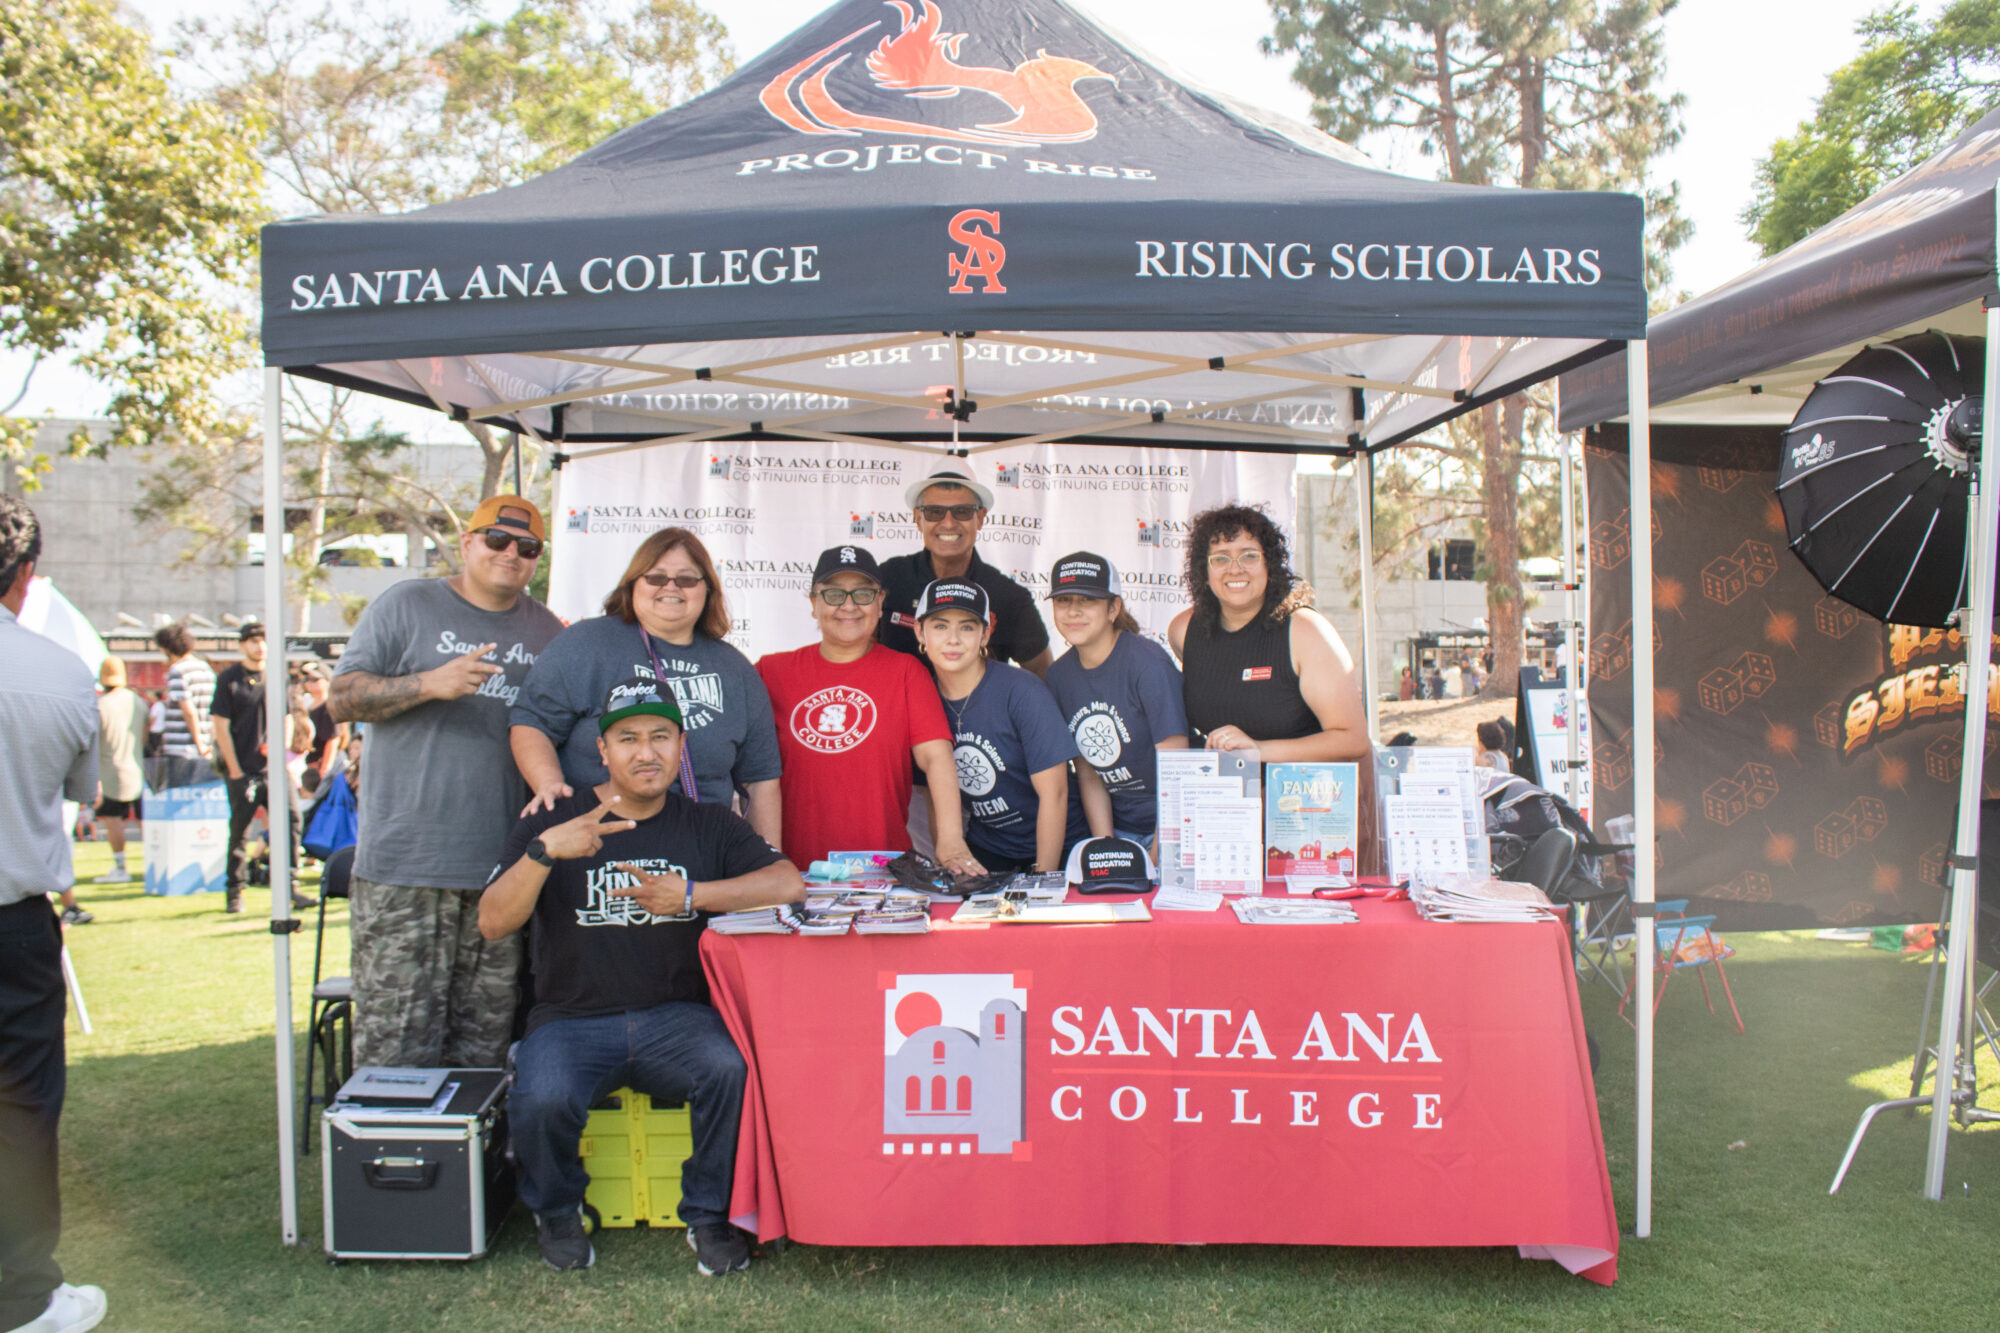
[833, 720]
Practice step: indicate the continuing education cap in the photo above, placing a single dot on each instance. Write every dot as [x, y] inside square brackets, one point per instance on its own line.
[1084, 574]
[953, 595]
[1110, 865]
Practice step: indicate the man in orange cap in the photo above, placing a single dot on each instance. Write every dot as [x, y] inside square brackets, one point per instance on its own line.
[431, 670]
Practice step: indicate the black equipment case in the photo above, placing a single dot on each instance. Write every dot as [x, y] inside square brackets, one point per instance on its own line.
[403, 1183]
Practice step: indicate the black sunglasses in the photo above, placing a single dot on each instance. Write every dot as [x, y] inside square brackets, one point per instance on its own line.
[678, 580]
[937, 513]
[498, 538]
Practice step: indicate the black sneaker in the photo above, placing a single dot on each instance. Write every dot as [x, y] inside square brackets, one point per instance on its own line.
[718, 1248]
[76, 916]
[564, 1244]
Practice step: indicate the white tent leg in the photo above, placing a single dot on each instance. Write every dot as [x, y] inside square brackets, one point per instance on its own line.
[279, 798]
[1639, 412]
[1573, 677]
[1971, 780]
[1364, 528]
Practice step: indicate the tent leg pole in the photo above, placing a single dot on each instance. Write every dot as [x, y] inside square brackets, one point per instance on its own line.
[278, 798]
[1364, 527]
[1639, 411]
[1573, 677]
[1952, 1062]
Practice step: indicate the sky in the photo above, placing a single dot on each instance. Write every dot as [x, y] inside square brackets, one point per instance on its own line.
[1750, 70]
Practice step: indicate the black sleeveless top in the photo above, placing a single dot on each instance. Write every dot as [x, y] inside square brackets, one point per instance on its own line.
[1244, 679]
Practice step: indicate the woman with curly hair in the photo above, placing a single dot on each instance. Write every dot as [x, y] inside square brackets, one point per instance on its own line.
[1260, 669]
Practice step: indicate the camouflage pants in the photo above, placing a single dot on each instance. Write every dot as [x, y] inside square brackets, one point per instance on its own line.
[429, 990]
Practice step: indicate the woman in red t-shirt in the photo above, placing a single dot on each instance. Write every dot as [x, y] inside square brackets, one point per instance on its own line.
[851, 716]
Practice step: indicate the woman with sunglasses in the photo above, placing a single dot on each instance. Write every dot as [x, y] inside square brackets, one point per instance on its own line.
[664, 621]
[1260, 669]
[1010, 746]
[853, 716]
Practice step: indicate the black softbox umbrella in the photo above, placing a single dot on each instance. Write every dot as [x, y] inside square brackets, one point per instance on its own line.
[1876, 472]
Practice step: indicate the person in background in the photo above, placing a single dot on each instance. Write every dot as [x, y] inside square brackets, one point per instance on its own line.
[1491, 751]
[665, 620]
[1434, 683]
[1454, 682]
[243, 756]
[156, 722]
[1119, 693]
[121, 734]
[852, 716]
[1407, 688]
[1262, 670]
[950, 508]
[329, 737]
[48, 753]
[618, 882]
[190, 690]
[433, 667]
[1009, 744]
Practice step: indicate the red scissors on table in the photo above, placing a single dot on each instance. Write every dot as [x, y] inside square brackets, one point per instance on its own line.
[1387, 891]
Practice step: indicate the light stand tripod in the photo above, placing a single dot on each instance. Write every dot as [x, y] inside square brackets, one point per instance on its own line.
[1955, 1089]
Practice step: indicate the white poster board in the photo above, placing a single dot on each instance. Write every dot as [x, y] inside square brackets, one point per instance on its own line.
[766, 511]
[1548, 713]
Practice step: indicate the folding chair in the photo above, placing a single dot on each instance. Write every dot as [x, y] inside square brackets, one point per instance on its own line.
[1686, 942]
[330, 1026]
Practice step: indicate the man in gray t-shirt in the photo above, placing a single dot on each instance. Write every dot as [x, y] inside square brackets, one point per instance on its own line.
[432, 670]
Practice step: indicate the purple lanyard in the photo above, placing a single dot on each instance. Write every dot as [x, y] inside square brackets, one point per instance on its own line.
[660, 679]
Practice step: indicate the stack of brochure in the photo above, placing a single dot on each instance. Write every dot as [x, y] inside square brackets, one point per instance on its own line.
[1463, 898]
[894, 921]
[784, 920]
[1292, 912]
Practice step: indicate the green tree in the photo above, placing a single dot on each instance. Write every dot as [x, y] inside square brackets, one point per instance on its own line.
[127, 212]
[1559, 94]
[1915, 85]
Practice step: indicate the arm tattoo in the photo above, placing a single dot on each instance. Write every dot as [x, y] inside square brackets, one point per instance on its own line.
[359, 696]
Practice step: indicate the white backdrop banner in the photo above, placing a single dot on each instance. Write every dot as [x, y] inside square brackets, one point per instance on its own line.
[766, 511]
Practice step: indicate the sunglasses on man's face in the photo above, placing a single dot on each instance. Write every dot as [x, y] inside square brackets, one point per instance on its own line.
[938, 513]
[839, 596]
[497, 539]
[677, 580]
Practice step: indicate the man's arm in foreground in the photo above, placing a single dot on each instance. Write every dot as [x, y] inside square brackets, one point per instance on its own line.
[508, 902]
[666, 894]
[363, 696]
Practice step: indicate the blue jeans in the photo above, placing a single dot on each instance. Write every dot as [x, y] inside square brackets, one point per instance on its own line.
[671, 1052]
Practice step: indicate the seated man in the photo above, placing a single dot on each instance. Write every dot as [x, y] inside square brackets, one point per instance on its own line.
[616, 880]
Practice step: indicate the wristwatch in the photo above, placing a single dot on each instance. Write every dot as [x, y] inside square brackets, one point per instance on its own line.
[539, 854]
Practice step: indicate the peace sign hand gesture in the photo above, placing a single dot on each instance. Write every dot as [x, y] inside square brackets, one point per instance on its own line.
[665, 894]
[582, 836]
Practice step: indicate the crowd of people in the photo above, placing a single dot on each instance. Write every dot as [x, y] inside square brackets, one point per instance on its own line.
[597, 787]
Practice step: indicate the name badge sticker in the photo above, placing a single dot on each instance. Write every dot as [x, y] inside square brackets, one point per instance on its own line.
[1256, 673]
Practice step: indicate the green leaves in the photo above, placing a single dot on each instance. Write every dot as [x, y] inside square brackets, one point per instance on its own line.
[1914, 86]
[126, 209]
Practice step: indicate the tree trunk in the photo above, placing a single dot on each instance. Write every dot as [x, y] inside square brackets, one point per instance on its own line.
[1500, 428]
[497, 448]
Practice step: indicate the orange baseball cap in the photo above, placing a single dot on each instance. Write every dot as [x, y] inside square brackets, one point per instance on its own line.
[509, 511]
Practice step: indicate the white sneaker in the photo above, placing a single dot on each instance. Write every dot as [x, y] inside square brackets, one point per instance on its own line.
[71, 1310]
[114, 877]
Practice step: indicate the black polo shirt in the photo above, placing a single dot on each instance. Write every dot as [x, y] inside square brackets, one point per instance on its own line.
[1018, 632]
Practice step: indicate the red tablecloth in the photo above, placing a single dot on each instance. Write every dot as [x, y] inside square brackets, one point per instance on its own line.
[1192, 1080]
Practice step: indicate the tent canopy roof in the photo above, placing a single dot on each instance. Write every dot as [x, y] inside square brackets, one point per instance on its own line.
[1917, 254]
[823, 243]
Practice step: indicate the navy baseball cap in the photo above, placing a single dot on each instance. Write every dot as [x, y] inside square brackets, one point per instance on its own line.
[846, 560]
[953, 595]
[1083, 574]
[636, 695]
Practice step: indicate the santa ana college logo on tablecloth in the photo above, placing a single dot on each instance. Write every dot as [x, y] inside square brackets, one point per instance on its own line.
[833, 720]
[954, 1064]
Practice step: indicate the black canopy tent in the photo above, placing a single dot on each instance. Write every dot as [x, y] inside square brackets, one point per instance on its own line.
[951, 225]
[1920, 254]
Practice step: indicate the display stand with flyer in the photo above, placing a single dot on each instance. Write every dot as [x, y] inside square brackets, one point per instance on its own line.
[1433, 813]
[1312, 821]
[1187, 777]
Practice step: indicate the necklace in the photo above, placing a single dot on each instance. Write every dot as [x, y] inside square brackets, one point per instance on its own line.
[957, 707]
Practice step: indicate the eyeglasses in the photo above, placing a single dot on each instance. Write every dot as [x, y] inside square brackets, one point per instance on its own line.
[677, 580]
[1245, 560]
[938, 513]
[840, 596]
[497, 539]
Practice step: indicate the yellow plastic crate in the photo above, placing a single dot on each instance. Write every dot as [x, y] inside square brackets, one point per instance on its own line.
[634, 1155]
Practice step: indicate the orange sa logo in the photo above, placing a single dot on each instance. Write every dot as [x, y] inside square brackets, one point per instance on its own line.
[983, 256]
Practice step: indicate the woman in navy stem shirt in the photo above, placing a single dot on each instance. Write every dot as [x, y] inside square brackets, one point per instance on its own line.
[1120, 696]
[1008, 741]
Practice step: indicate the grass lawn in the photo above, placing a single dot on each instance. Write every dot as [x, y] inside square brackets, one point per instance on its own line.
[170, 1186]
